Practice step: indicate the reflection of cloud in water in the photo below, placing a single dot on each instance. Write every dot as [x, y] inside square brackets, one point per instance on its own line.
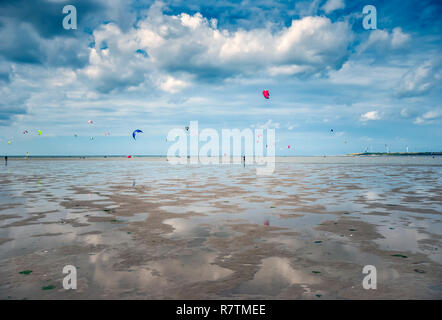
[181, 226]
[400, 239]
[110, 279]
[371, 195]
[191, 268]
[275, 275]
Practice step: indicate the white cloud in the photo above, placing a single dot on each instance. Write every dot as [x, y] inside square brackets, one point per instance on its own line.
[428, 117]
[173, 85]
[381, 41]
[192, 45]
[398, 38]
[332, 5]
[404, 112]
[371, 115]
[420, 79]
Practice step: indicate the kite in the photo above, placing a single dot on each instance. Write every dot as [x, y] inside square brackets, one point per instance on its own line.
[289, 146]
[39, 132]
[129, 157]
[266, 94]
[331, 130]
[9, 142]
[135, 132]
[90, 122]
[106, 134]
[25, 132]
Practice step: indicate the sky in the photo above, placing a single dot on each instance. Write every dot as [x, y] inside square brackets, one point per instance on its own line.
[156, 66]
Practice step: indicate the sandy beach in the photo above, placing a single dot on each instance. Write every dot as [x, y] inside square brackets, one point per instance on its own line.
[145, 229]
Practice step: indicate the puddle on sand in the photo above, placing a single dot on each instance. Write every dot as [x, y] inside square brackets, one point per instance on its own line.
[274, 275]
[195, 267]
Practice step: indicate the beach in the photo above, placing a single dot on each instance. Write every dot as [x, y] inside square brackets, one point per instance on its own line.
[143, 228]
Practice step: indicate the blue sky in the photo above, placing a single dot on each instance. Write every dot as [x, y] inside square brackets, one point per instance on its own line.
[155, 66]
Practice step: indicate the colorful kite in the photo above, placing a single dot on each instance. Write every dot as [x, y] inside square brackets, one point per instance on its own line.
[135, 132]
[266, 94]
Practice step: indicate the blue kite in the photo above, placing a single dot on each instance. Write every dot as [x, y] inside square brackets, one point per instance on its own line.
[135, 132]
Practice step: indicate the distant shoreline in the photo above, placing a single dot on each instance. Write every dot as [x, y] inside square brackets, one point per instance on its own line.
[363, 154]
[396, 154]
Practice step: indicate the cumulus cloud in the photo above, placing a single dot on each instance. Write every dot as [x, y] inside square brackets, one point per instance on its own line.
[172, 85]
[332, 5]
[371, 115]
[420, 79]
[429, 117]
[381, 41]
[114, 62]
[194, 47]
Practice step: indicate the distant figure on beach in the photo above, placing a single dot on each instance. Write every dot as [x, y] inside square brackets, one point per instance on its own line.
[6, 160]
[244, 160]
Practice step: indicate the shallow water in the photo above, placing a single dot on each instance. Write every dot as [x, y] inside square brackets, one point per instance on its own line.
[148, 226]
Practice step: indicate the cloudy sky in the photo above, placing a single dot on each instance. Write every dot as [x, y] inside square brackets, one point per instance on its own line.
[155, 66]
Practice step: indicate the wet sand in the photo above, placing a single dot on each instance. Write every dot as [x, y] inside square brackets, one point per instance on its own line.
[148, 230]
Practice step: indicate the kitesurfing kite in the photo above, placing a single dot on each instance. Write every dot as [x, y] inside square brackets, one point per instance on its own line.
[25, 132]
[90, 122]
[39, 132]
[266, 94]
[135, 132]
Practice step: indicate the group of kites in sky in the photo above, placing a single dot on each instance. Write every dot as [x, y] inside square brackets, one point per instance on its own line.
[265, 93]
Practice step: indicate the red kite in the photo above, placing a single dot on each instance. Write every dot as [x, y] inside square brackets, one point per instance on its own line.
[266, 94]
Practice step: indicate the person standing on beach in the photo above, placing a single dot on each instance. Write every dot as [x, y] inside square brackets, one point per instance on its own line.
[6, 160]
[244, 160]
